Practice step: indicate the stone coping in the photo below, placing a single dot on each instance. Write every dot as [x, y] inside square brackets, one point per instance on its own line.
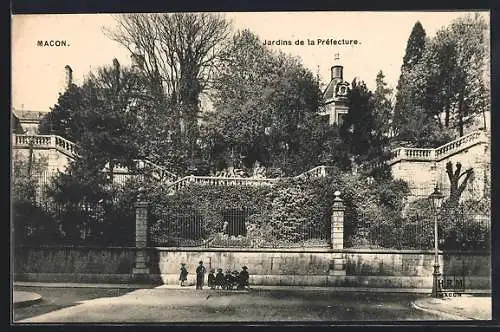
[299, 250]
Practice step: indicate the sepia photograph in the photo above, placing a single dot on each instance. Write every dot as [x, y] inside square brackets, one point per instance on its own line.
[251, 167]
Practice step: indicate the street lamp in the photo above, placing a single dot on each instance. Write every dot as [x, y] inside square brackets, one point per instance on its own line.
[436, 199]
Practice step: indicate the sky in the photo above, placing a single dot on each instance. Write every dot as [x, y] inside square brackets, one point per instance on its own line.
[38, 72]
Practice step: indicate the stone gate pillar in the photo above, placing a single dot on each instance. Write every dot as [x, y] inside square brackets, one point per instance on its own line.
[141, 235]
[337, 222]
[337, 236]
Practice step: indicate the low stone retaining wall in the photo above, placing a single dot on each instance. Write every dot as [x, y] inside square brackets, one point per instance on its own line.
[363, 267]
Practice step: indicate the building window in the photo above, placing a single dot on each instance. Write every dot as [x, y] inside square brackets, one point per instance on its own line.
[341, 118]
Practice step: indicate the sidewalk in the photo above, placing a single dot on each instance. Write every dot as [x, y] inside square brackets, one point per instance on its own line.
[22, 299]
[465, 307]
[252, 287]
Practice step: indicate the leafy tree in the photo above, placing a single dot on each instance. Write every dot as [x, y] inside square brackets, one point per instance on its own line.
[457, 84]
[30, 222]
[99, 116]
[358, 130]
[110, 121]
[64, 119]
[442, 92]
[15, 125]
[414, 46]
[265, 105]
[333, 150]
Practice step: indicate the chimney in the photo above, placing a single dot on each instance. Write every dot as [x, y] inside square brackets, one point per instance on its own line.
[116, 65]
[337, 72]
[137, 60]
[69, 76]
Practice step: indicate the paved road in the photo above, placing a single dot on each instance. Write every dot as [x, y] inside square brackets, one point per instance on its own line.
[168, 305]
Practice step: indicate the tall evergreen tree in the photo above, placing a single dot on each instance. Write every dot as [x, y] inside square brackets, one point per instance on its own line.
[414, 47]
[383, 106]
[405, 96]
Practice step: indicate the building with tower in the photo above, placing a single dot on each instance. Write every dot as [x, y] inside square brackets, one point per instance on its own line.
[335, 95]
[27, 121]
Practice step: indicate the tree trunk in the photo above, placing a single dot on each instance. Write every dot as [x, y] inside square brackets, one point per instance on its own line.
[460, 115]
[456, 190]
[447, 116]
[111, 171]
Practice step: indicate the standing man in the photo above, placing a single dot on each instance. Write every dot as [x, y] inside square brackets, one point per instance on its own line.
[200, 275]
[243, 278]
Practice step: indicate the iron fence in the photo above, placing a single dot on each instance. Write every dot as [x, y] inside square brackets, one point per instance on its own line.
[49, 222]
[231, 228]
[466, 225]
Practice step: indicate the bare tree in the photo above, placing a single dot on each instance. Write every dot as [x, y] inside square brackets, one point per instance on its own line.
[179, 52]
[457, 189]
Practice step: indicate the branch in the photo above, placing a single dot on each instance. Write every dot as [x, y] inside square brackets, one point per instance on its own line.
[469, 173]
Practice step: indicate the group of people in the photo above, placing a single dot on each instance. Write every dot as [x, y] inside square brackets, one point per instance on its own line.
[228, 281]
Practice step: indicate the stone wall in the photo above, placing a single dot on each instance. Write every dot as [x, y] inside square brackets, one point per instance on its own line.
[422, 175]
[366, 268]
[55, 160]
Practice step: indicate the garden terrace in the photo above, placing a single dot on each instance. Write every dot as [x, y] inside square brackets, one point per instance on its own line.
[441, 152]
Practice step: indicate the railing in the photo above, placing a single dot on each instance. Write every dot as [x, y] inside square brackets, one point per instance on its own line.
[71, 149]
[414, 153]
[220, 181]
[159, 172]
[319, 171]
[46, 141]
[453, 146]
[440, 152]
[162, 171]
[316, 172]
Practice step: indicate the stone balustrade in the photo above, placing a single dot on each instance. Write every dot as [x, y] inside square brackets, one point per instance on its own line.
[440, 152]
[71, 149]
[319, 171]
[159, 172]
[45, 142]
[220, 181]
[316, 172]
[460, 143]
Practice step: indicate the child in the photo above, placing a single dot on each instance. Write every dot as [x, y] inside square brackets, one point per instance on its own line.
[228, 280]
[219, 279]
[236, 277]
[184, 273]
[200, 275]
[211, 279]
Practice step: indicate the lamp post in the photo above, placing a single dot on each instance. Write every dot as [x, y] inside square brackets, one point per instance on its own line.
[436, 199]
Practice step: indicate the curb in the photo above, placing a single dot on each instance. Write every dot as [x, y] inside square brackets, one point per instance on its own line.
[440, 313]
[27, 299]
[254, 287]
[81, 285]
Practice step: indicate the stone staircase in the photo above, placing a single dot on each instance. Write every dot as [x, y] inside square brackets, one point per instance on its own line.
[174, 183]
[442, 152]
